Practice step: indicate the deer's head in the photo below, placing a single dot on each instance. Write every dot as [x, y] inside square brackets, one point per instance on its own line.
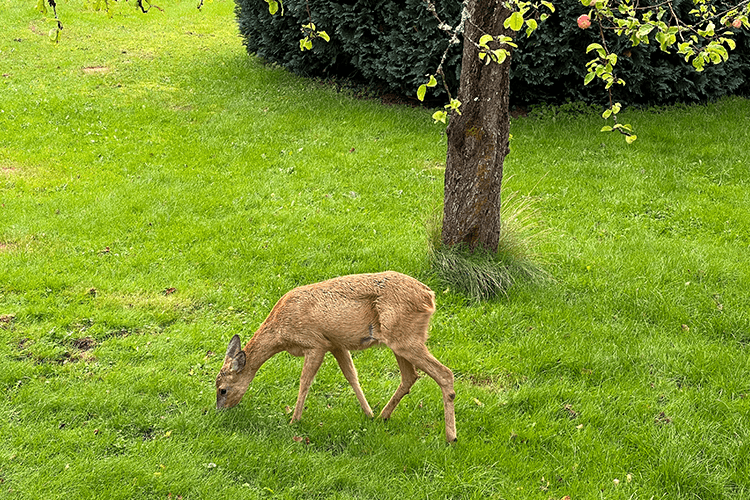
[230, 384]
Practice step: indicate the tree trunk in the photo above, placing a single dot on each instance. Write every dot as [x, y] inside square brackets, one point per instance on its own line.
[478, 138]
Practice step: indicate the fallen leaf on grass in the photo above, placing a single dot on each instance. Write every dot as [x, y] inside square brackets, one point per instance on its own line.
[300, 439]
[662, 419]
[571, 412]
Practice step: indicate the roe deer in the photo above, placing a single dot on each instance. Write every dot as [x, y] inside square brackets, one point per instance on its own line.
[340, 315]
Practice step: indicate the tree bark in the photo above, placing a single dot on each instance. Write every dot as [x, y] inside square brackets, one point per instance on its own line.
[478, 138]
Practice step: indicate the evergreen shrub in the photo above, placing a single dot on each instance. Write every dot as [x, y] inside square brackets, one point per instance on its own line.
[394, 44]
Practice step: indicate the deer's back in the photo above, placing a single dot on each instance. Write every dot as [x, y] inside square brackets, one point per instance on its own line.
[355, 311]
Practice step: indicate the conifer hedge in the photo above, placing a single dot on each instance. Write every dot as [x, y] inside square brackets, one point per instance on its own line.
[394, 44]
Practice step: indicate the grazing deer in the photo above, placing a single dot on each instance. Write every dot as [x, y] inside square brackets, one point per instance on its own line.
[341, 315]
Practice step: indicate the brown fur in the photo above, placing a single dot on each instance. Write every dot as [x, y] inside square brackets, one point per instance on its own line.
[341, 315]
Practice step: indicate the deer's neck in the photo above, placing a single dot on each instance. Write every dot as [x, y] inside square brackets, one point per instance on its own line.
[261, 348]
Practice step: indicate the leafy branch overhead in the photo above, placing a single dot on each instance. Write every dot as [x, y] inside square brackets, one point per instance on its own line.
[491, 48]
[706, 40]
[311, 34]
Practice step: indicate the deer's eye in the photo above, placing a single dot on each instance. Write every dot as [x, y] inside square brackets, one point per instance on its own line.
[223, 392]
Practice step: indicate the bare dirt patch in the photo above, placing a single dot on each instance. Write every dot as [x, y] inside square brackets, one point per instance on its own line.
[84, 344]
[5, 319]
[95, 70]
[36, 30]
[10, 171]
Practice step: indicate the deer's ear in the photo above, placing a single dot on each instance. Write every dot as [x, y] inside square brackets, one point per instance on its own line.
[234, 347]
[238, 362]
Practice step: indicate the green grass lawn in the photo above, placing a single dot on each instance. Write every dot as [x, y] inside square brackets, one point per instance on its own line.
[160, 190]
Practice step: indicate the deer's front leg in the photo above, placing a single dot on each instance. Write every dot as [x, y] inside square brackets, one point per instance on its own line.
[313, 360]
[346, 364]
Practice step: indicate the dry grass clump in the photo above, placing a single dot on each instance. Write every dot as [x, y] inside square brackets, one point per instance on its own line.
[483, 275]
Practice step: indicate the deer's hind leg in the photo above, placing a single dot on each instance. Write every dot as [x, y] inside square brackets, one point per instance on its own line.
[422, 359]
[408, 377]
[344, 359]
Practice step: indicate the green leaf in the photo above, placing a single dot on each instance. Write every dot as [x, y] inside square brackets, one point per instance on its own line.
[273, 6]
[589, 78]
[324, 36]
[531, 25]
[421, 91]
[663, 40]
[439, 116]
[432, 82]
[549, 6]
[644, 30]
[305, 44]
[630, 139]
[514, 22]
[594, 46]
[720, 50]
[454, 105]
[699, 62]
[54, 34]
[500, 55]
[606, 128]
[485, 40]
